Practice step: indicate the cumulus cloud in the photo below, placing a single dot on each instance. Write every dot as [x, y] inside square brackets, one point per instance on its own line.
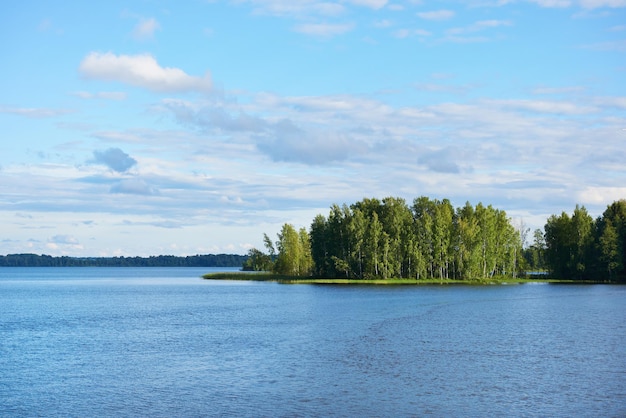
[441, 160]
[288, 142]
[134, 186]
[145, 28]
[142, 71]
[437, 15]
[214, 117]
[115, 159]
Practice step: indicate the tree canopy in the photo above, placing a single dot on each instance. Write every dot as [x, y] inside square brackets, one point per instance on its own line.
[388, 238]
[579, 247]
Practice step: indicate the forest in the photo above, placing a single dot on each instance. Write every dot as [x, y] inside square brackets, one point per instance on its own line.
[208, 260]
[430, 239]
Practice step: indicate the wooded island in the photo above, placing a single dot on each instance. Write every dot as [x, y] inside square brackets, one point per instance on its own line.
[383, 239]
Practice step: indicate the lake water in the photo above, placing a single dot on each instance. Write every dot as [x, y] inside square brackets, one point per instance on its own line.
[163, 342]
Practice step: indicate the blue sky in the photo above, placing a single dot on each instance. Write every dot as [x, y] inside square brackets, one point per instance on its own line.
[184, 127]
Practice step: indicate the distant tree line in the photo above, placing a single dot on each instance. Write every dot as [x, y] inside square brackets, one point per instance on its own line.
[389, 239]
[209, 260]
[579, 247]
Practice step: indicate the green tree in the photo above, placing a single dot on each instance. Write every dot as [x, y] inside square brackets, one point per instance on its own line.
[373, 240]
[319, 251]
[582, 227]
[486, 238]
[559, 245]
[610, 254]
[424, 214]
[294, 252]
[467, 235]
[257, 261]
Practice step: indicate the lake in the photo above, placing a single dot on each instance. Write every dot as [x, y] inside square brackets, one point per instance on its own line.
[163, 342]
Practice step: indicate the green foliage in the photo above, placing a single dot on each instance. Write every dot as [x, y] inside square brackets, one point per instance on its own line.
[374, 239]
[294, 252]
[257, 261]
[580, 248]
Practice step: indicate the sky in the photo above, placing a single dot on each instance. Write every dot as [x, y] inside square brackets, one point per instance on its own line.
[137, 128]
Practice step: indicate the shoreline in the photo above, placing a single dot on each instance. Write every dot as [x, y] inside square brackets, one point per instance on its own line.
[283, 279]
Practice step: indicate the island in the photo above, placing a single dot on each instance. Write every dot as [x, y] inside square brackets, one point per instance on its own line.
[389, 242]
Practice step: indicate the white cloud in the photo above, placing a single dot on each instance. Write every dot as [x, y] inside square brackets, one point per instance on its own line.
[288, 142]
[585, 4]
[466, 34]
[595, 4]
[553, 3]
[544, 106]
[558, 90]
[34, 112]
[108, 95]
[617, 45]
[384, 23]
[324, 29]
[141, 71]
[600, 195]
[299, 9]
[115, 159]
[372, 4]
[63, 239]
[145, 28]
[478, 26]
[405, 33]
[134, 186]
[437, 15]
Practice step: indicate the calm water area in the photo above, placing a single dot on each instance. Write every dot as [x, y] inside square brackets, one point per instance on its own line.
[162, 342]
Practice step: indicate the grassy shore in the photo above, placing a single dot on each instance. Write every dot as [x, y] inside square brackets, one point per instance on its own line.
[271, 277]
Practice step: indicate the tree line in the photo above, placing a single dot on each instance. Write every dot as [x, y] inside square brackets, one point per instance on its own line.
[389, 239]
[578, 247]
[208, 260]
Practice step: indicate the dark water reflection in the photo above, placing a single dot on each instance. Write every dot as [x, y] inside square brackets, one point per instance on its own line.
[161, 342]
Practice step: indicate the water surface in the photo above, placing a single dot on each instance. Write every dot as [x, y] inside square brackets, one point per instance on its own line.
[163, 342]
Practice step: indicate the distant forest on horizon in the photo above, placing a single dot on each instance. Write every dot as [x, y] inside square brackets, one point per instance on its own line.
[207, 260]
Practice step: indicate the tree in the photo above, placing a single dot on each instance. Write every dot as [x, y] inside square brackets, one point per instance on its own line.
[424, 214]
[582, 225]
[610, 253]
[467, 240]
[294, 252]
[319, 249]
[559, 245]
[486, 238]
[257, 261]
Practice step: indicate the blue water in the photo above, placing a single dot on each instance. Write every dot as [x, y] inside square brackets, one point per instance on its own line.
[163, 342]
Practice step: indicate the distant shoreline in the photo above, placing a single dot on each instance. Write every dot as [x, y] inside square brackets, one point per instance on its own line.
[198, 260]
